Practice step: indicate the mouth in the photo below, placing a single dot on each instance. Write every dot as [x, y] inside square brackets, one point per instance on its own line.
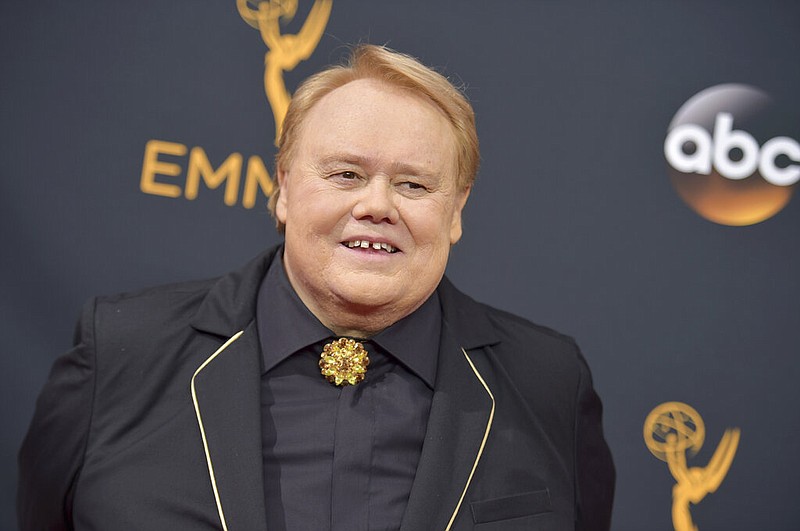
[374, 245]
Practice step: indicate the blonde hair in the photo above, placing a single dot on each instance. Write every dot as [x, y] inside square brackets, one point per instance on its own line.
[368, 61]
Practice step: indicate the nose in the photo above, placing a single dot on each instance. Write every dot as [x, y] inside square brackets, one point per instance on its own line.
[376, 202]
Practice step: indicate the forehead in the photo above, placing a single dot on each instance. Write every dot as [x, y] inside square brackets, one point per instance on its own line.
[375, 119]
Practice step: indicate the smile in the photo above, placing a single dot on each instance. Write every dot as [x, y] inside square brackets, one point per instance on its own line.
[364, 244]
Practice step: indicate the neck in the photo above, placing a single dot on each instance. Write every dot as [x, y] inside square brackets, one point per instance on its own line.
[345, 318]
[356, 321]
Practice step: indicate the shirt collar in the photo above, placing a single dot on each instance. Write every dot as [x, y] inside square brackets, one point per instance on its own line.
[285, 326]
[414, 340]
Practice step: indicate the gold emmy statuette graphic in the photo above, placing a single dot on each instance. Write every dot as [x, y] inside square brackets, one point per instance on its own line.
[284, 51]
[672, 429]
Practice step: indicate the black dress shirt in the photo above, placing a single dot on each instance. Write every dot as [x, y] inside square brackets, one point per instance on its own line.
[340, 458]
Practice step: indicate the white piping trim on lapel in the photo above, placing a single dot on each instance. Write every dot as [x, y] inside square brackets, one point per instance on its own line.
[483, 442]
[203, 431]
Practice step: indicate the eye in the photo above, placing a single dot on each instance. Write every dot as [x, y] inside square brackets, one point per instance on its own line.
[411, 185]
[344, 177]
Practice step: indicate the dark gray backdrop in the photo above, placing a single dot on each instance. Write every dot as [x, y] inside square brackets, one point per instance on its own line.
[573, 222]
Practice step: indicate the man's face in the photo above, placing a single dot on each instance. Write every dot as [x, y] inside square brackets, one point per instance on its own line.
[370, 204]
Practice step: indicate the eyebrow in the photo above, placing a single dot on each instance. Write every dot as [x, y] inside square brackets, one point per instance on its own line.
[398, 167]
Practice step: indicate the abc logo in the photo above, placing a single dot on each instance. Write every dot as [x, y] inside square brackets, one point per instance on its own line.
[718, 166]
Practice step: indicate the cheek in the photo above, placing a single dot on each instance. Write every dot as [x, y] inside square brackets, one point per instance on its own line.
[310, 207]
[435, 218]
[431, 231]
[322, 226]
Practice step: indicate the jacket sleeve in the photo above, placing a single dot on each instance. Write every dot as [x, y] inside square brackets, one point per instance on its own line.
[594, 474]
[52, 453]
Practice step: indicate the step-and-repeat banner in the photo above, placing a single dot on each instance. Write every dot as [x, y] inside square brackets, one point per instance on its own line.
[638, 165]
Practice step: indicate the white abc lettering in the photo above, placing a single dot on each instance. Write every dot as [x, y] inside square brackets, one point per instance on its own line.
[726, 139]
[697, 162]
[780, 145]
[718, 149]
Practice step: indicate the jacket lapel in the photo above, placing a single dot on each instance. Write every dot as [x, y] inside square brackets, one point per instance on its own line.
[458, 428]
[226, 393]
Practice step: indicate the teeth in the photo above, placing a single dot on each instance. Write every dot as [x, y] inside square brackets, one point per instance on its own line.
[364, 244]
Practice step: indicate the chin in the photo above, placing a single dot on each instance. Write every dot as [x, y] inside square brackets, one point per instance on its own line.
[361, 302]
[364, 291]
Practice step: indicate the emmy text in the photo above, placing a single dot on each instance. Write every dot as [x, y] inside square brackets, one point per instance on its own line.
[162, 177]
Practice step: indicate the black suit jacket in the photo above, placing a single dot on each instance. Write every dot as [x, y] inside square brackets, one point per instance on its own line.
[152, 421]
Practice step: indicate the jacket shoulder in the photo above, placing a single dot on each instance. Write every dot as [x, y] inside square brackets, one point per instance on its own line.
[479, 324]
[152, 295]
[519, 327]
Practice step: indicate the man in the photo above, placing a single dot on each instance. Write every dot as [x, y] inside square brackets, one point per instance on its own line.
[338, 381]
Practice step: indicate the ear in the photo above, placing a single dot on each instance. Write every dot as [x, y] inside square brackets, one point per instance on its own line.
[281, 209]
[455, 222]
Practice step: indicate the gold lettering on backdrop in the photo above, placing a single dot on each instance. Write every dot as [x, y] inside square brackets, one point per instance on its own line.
[152, 167]
[256, 178]
[285, 51]
[199, 168]
[671, 430]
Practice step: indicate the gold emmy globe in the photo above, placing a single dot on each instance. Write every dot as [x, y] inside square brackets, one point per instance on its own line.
[674, 427]
[670, 431]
